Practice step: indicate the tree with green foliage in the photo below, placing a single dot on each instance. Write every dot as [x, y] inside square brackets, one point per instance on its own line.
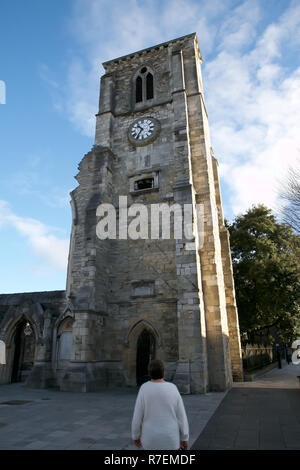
[266, 267]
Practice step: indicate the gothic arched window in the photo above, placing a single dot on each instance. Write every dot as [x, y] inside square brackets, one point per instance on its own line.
[149, 86]
[65, 337]
[138, 90]
[144, 85]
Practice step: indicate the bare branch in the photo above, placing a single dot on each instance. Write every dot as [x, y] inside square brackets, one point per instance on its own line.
[291, 196]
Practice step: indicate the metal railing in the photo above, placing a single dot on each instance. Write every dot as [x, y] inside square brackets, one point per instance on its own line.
[257, 356]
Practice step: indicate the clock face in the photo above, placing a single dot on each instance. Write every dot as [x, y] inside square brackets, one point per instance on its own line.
[143, 131]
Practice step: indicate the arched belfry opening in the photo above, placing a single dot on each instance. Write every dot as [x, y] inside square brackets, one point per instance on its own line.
[145, 352]
[144, 85]
[149, 86]
[138, 90]
[24, 346]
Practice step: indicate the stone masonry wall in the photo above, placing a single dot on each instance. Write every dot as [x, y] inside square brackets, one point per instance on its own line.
[119, 287]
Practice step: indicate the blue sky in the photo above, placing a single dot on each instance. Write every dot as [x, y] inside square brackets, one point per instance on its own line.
[51, 54]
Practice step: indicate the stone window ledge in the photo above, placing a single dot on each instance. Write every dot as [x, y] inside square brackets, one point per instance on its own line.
[143, 191]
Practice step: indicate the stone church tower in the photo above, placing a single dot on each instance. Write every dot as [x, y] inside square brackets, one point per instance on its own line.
[136, 299]
[129, 300]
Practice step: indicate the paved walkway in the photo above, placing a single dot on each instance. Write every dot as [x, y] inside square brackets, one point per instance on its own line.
[263, 414]
[48, 419]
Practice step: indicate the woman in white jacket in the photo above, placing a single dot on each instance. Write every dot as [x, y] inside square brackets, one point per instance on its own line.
[159, 418]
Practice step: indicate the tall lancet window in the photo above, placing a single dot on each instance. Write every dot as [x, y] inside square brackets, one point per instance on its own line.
[138, 90]
[149, 86]
[144, 85]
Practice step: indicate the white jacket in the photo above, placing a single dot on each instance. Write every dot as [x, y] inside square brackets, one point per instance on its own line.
[159, 418]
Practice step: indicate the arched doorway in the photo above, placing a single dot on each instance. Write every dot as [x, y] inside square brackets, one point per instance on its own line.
[144, 354]
[24, 351]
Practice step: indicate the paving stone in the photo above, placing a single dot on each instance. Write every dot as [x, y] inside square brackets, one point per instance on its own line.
[268, 420]
[56, 434]
[36, 445]
[53, 447]
[20, 444]
[21, 429]
[78, 446]
[87, 440]
[246, 445]
[57, 429]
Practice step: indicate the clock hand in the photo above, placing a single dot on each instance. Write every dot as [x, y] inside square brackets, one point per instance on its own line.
[141, 129]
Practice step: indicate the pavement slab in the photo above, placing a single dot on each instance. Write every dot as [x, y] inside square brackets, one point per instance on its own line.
[259, 415]
[262, 414]
[54, 420]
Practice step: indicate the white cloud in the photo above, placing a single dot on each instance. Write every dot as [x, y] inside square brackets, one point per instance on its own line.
[32, 181]
[253, 100]
[239, 29]
[53, 86]
[45, 74]
[285, 30]
[50, 248]
[251, 79]
[104, 30]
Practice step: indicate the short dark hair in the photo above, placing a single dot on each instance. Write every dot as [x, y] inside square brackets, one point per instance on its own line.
[156, 369]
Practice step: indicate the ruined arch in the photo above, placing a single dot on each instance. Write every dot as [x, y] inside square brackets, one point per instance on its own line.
[25, 350]
[21, 349]
[33, 312]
